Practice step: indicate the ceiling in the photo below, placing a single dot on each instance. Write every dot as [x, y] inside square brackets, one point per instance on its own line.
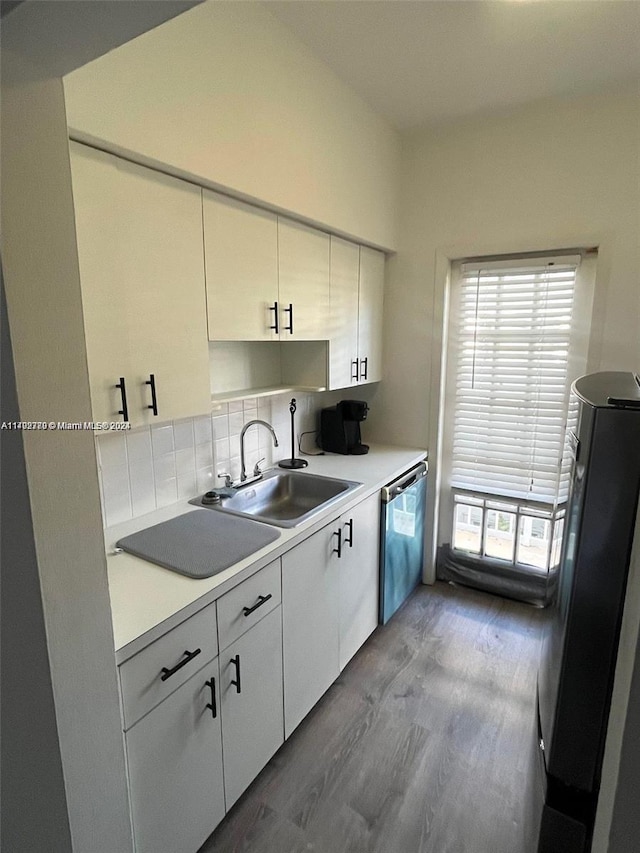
[420, 62]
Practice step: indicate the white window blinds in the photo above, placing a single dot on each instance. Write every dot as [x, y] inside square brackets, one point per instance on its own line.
[512, 341]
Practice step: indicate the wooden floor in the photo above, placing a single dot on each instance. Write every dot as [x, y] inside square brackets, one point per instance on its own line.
[421, 746]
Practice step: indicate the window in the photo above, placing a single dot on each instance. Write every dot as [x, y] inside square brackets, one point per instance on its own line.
[511, 360]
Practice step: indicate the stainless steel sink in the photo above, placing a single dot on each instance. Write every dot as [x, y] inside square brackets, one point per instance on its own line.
[283, 498]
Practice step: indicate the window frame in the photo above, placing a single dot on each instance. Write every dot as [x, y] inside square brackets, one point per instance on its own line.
[577, 364]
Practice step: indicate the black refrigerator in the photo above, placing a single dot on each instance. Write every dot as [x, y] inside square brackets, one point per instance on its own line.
[579, 648]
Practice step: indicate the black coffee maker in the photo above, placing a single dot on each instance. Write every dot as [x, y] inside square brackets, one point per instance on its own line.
[340, 427]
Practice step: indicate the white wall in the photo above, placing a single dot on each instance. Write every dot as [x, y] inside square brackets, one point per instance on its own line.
[226, 94]
[552, 175]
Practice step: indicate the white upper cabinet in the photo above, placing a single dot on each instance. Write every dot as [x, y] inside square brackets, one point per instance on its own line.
[241, 257]
[357, 294]
[343, 347]
[142, 276]
[370, 305]
[303, 264]
[267, 277]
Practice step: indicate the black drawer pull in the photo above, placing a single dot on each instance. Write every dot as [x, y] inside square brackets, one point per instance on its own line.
[289, 310]
[124, 411]
[236, 662]
[275, 325]
[349, 541]
[338, 550]
[214, 708]
[364, 368]
[154, 400]
[167, 673]
[355, 368]
[260, 602]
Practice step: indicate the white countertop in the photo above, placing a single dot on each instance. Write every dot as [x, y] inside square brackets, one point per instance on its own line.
[148, 600]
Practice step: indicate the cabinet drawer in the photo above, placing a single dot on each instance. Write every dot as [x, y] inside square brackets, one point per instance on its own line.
[258, 594]
[155, 672]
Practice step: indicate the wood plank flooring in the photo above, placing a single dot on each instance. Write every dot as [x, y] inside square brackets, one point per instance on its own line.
[421, 746]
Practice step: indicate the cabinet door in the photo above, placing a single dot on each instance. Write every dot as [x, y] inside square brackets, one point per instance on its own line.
[142, 276]
[175, 768]
[252, 723]
[370, 302]
[164, 304]
[359, 576]
[309, 623]
[241, 257]
[343, 344]
[97, 198]
[303, 264]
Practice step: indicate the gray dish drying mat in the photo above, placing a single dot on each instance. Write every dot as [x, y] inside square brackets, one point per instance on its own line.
[199, 544]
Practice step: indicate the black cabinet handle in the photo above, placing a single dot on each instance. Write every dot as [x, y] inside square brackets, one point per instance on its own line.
[154, 400]
[364, 364]
[261, 601]
[275, 325]
[124, 411]
[355, 369]
[349, 541]
[167, 673]
[236, 662]
[338, 550]
[214, 708]
[289, 310]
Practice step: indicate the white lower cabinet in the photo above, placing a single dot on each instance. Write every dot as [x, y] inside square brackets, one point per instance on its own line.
[358, 576]
[310, 624]
[175, 768]
[283, 640]
[251, 688]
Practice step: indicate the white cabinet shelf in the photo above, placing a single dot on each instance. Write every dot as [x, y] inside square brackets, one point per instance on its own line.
[271, 391]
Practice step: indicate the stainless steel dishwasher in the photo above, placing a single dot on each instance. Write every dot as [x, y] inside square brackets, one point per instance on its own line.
[402, 538]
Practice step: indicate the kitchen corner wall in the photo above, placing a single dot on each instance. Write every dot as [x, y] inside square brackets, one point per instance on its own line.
[151, 467]
[227, 95]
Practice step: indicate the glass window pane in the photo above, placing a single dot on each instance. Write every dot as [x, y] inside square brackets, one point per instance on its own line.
[556, 547]
[467, 526]
[500, 534]
[533, 542]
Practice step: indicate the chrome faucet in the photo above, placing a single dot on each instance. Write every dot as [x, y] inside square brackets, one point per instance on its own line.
[257, 473]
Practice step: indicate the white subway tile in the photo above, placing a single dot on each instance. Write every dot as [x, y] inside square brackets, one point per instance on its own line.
[250, 403]
[187, 487]
[204, 480]
[183, 434]
[112, 448]
[186, 462]
[204, 455]
[202, 430]
[236, 422]
[117, 494]
[235, 406]
[221, 452]
[164, 467]
[166, 492]
[142, 484]
[220, 427]
[264, 408]
[250, 414]
[138, 445]
[162, 439]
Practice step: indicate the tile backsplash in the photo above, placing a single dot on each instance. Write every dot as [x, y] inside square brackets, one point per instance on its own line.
[151, 467]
